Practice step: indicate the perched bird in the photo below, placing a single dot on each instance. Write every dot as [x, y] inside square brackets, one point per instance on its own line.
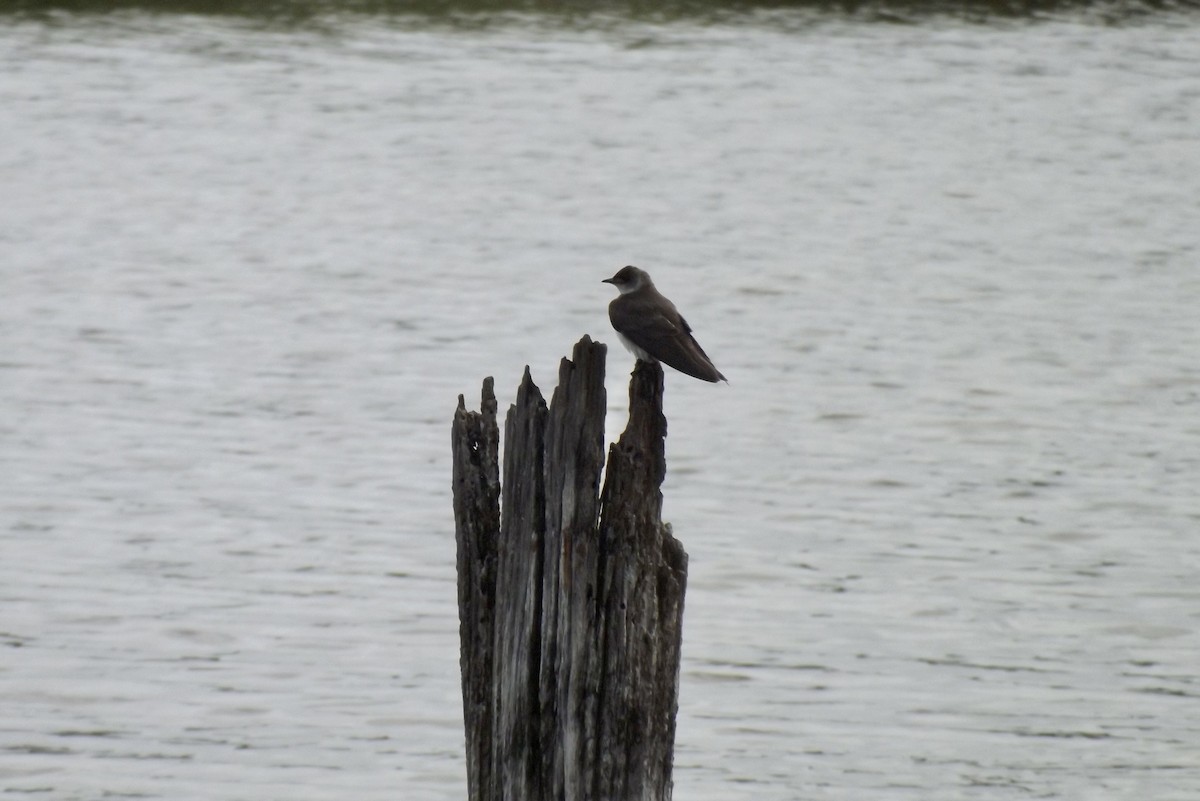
[652, 329]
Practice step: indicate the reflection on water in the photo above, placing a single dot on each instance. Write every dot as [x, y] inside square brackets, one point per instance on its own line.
[941, 522]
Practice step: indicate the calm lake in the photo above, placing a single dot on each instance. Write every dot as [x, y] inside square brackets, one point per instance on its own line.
[943, 522]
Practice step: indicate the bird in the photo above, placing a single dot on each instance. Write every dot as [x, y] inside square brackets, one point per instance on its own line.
[652, 329]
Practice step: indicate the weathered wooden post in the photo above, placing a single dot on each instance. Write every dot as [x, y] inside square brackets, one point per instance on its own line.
[570, 599]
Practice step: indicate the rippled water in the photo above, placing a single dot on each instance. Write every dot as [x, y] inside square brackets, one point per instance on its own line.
[942, 523]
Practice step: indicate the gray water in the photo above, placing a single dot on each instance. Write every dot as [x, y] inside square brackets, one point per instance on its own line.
[943, 522]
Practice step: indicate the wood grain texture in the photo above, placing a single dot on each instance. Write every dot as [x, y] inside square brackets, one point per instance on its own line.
[571, 600]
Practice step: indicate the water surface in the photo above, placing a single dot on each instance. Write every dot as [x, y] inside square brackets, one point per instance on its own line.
[942, 522]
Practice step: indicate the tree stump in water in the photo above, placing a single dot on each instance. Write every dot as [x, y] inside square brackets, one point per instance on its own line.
[570, 598]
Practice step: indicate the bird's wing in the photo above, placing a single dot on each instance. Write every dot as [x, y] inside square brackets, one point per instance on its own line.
[711, 373]
[669, 339]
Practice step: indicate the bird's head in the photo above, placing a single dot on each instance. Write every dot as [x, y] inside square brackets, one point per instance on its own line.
[629, 279]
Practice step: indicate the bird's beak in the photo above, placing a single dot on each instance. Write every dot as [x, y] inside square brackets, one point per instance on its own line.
[608, 281]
